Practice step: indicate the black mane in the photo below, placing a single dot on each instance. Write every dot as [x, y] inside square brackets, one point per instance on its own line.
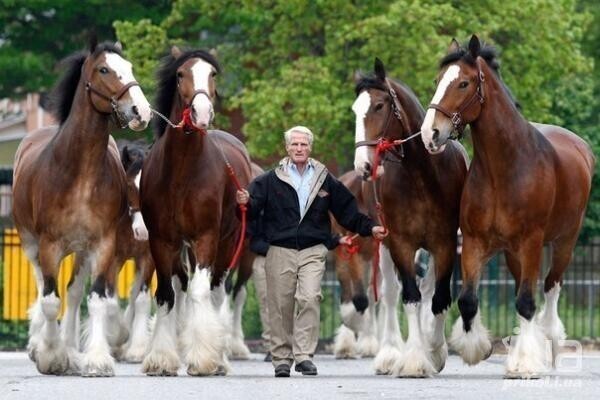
[61, 97]
[490, 56]
[366, 82]
[167, 83]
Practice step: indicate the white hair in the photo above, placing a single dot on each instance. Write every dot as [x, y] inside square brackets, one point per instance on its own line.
[298, 129]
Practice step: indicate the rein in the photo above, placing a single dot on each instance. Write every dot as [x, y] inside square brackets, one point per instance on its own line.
[187, 127]
[119, 117]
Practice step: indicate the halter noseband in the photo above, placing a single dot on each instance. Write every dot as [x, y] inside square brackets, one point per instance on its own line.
[119, 117]
[197, 92]
[456, 117]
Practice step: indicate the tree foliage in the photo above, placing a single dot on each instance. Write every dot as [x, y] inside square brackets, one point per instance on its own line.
[34, 35]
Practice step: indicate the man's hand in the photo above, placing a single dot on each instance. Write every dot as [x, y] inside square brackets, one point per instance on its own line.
[242, 196]
[379, 232]
[347, 240]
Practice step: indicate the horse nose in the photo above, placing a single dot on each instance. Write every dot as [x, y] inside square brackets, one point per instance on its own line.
[135, 111]
[436, 134]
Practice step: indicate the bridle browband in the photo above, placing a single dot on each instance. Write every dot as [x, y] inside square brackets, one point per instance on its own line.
[113, 100]
[456, 117]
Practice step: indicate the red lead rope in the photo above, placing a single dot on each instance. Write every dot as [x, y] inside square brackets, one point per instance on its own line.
[243, 210]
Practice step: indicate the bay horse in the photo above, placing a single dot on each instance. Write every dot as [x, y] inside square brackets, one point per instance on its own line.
[352, 267]
[133, 243]
[188, 199]
[420, 197]
[528, 184]
[69, 195]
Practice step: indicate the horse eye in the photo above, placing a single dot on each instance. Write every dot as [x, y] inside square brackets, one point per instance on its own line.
[179, 74]
[104, 70]
[378, 106]
[463, 84]
[213, 74]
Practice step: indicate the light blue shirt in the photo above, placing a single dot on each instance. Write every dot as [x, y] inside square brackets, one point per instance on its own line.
[301, 183]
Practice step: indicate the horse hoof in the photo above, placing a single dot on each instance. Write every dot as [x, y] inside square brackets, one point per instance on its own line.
[518, 375]
[93, 372]
[221, 371]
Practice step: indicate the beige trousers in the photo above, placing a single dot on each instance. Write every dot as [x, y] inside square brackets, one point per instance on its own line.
[260, 283]
[294, 297]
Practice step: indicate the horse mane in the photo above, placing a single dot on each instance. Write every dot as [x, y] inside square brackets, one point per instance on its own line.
[489, 55]
[370, 81]
[167, 83]
[61, 98]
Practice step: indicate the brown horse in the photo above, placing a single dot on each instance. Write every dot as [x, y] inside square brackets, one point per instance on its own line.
[69, 196]
[133, 243]
[420, 196]
[353, 271]
[528, 185]
[188, 199]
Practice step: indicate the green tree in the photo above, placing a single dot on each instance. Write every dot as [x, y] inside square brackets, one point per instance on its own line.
[34, 35]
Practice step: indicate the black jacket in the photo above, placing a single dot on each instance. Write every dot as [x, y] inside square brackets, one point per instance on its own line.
[273, 196]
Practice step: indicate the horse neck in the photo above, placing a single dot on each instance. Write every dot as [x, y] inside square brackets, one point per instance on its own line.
[177, 142]
[501, 135]
[83, 136]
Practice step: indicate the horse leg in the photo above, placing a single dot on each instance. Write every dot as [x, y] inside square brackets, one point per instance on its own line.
[526, 355]
[391, 339]
[367, 344]
[35, 314]
[51, 356]
[345, 340]
[469, 337]
[140, 303]
[203, 338]
[548, 317]
[180, 281]
[239, 350]
[102, 306]
[117, 329]
[442, 299]
[415, 360]
[162, 358]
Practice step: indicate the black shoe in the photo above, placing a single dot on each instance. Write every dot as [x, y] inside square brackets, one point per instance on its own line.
[268, 357]
[282, 371]
[306, 367]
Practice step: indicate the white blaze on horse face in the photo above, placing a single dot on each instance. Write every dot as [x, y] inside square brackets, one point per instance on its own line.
[429, 123]
[361, 155]
[202, 105]
[140, 115]
[138, 177]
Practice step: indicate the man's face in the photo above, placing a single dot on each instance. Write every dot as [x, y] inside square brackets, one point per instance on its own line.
[298, 149]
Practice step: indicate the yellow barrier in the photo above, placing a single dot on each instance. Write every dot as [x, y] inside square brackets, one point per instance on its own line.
[19, 284]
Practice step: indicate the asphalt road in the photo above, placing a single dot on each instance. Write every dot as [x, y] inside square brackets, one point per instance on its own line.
[337, 379]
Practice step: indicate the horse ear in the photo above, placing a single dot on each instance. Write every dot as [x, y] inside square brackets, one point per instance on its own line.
[93, 42]
[474, 46]
[379, 69]
[119, 45]
[125, 155]
[454, 46]
[175, 52]
[213, 52]
[357, 76]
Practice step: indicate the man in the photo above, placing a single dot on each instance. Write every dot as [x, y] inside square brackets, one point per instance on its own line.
[294, 201]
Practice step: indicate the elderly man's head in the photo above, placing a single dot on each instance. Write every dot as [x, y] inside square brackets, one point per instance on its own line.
[298, 144]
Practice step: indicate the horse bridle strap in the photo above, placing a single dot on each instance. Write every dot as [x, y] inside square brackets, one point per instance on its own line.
[112, 99]
[200, 91]
[456, 117]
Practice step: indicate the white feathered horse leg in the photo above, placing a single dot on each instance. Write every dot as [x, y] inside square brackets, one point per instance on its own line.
[391, 340]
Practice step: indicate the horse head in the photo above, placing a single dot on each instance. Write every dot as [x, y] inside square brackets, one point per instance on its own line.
[379, 118]
[458, 98]
[187, 88]
[112, 88]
